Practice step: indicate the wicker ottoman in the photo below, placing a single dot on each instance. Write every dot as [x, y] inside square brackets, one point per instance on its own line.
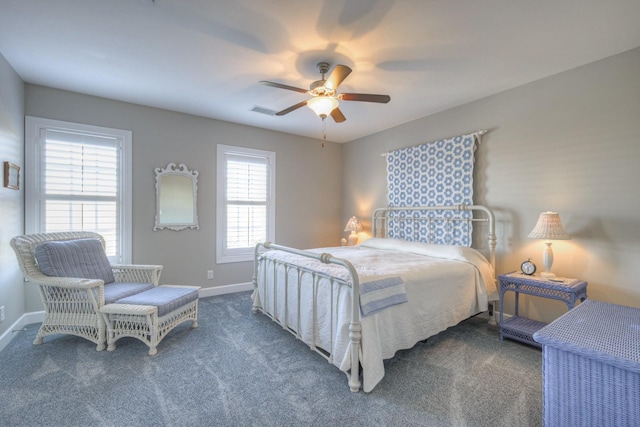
[150, 315]
[591, 366]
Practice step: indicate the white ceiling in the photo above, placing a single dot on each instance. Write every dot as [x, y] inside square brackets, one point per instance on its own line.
[206, 57]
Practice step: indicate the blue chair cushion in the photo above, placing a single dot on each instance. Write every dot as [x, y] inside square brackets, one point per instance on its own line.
[166, 298]
[82, 258]
[118, 290]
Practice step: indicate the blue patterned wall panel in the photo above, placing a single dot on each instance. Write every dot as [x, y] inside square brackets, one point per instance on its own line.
[439, 173]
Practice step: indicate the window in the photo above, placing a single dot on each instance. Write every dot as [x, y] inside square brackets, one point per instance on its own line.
[78, 178]
[245, 201]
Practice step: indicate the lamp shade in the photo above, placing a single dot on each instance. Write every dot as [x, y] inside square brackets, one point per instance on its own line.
[549, 227]
[353, 225]
[322, 105]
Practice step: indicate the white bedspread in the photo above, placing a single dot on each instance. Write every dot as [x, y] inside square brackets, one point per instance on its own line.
[444, 285]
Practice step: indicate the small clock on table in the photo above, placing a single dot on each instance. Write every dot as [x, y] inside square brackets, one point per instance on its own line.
[528, 267]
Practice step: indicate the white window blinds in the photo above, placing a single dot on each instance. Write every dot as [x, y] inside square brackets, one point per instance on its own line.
[79, 178]
[80, 183]
[245, 201]
[247, 189]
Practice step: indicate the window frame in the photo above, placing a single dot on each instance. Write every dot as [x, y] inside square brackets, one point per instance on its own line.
[35, 131]
[223, 254]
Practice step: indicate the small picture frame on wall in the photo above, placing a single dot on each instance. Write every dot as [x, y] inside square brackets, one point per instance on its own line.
[11, 176]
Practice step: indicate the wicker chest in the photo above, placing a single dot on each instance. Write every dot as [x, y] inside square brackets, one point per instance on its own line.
[591, 366]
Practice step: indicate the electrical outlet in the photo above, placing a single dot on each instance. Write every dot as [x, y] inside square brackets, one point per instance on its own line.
[2, 314]
[209, 274]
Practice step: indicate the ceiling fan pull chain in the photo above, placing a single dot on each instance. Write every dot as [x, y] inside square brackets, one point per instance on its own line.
[324, 132]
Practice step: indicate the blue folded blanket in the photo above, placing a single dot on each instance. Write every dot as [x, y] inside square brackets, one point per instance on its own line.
[380, 294]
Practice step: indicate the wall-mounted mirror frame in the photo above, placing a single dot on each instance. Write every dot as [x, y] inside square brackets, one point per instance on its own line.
[176, 198]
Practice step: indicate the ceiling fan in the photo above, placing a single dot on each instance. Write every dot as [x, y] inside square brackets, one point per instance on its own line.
[325, 96]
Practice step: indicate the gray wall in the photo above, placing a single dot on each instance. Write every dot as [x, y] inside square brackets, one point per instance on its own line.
[11, 201]
[568, 143]
[308, 187]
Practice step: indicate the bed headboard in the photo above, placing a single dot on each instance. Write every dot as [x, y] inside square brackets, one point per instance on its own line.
[436, 224]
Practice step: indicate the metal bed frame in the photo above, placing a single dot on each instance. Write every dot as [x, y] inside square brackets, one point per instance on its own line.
[380, 219]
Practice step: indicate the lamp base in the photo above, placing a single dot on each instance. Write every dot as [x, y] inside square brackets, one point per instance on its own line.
[547, 260]
[353, 239]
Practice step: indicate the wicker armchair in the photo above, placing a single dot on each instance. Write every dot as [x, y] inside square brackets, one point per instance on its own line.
[72, 305]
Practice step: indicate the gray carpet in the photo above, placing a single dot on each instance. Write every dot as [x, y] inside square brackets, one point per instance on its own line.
[240, 369]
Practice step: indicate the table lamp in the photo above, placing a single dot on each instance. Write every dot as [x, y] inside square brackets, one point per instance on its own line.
[549, 227]
[353, 225]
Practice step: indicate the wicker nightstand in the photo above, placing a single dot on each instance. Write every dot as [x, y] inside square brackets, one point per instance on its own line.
[522, 329]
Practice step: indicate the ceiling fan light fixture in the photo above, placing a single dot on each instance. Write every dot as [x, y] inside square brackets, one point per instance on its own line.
[324, 96]
[322, 105]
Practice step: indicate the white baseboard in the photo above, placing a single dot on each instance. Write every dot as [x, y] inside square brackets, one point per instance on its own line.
[38, 316]
[225, 289]
[18, 325]
[505, 316]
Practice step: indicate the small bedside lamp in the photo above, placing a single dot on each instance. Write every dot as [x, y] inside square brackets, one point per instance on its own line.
[353, 225]
[549, 227]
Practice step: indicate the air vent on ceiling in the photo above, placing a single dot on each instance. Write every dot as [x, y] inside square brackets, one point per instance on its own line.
[263, 110]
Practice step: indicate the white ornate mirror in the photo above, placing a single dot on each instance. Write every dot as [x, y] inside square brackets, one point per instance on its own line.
[176, 198]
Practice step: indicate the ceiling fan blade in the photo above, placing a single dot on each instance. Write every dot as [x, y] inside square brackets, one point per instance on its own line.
[292, 108]
[337, 115]
[281, 86]
[337, 76]
[366, 97]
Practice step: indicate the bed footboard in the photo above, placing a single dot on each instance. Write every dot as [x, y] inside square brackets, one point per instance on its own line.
[352, 285]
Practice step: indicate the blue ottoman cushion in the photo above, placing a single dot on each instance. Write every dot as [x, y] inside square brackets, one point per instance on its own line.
[166, 298]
